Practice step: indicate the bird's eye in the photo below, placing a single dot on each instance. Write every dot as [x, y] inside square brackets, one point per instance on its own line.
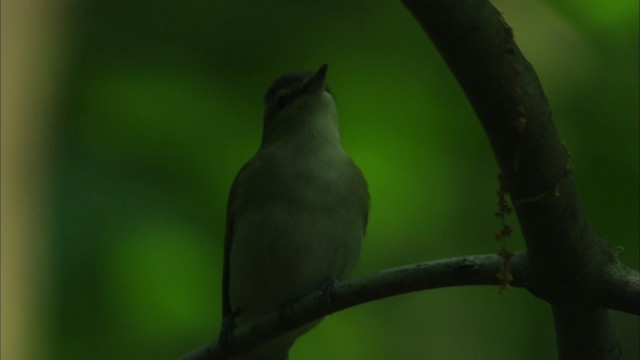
[281, 100]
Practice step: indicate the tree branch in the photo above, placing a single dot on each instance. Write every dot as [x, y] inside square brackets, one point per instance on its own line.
[468, 270]
[460, 271]
[620, 289]
[568, 262]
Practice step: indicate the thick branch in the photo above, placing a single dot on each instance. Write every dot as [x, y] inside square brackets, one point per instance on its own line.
[620, 289]
[468, 270]
[579, 338]
[568, 263]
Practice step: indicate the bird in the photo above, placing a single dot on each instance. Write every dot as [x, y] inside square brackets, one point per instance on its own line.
[297, 211]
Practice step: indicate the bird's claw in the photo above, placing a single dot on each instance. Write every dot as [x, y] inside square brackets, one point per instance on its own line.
[328, 291]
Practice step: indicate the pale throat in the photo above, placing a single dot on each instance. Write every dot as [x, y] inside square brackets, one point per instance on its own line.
[318, 118]
[311, 123]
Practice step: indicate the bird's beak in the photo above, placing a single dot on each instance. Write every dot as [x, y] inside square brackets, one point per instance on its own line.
[316, 83]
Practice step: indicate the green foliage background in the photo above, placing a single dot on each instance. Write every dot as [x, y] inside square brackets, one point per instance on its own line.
[161, 105]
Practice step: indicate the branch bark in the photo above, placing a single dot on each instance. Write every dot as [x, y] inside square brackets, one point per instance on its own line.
[468, 270]
[568, 262]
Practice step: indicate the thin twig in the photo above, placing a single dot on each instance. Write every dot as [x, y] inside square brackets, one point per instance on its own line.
[468, 270]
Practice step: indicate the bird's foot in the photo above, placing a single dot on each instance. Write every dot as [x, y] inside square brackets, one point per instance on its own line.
[328, 292]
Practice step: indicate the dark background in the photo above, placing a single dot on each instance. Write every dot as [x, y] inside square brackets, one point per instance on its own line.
[158, 104]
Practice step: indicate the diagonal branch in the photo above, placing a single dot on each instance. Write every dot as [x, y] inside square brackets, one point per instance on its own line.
[620, 289]
[568, 262]
[468, 270]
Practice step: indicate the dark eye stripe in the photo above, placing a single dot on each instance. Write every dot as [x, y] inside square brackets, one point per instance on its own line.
[280, 102]
[285, 84]
[285, 90]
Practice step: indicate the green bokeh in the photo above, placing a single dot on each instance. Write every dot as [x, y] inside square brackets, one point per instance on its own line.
[161, 105]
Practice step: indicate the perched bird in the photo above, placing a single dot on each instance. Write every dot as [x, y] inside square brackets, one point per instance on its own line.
[297, 211]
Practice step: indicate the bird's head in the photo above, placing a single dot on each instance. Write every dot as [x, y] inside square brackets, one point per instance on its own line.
[300, 104]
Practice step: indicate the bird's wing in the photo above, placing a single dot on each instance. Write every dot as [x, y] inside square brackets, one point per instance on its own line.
[232, 204]
[228, 239]
[363, 186]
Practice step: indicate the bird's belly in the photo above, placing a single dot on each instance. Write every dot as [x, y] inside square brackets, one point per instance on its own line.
[281, 254]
